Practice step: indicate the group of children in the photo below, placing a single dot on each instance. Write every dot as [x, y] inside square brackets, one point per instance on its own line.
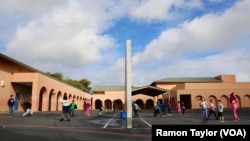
[212, 109]
[207, 110]
[161, 110]
[68, 109]
[27, 106]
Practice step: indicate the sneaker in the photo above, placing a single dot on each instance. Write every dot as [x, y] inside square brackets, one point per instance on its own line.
[68, 120]
[61, 119]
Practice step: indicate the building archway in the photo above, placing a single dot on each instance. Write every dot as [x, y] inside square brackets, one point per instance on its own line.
[198, 98]
[98, 104]
[118, 104]
[42, 93]
[58, 102]
[225, 101]
[107, 104]
[238, 101]
[149, 104]
[50, 99]
[247, 99]
[213, 99]
[140, 103]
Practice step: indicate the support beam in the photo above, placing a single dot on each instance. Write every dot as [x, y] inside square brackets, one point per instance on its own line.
[128, 99]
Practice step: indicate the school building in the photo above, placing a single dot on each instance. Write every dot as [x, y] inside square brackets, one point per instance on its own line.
[25, 82]
[187, 90]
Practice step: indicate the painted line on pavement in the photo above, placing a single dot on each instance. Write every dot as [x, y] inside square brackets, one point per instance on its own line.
[146, 122]
[109, 121]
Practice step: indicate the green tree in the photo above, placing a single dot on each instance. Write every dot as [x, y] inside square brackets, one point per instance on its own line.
[82, 84]
[57, 75]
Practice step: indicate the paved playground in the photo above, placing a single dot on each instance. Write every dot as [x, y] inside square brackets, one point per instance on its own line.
[46, 126]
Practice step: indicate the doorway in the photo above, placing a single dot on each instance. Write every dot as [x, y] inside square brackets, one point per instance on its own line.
[186, 98]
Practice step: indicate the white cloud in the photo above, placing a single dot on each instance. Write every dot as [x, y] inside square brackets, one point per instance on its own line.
[207, 33]
[71, 37]
[166, 55]
[29, 7]
[161, 10]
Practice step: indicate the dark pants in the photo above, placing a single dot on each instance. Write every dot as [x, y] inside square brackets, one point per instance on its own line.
[72, 112]
[183, 110]
[157, 113]
[169, 111]
[136, 114]
[212, 112]
[65, 113]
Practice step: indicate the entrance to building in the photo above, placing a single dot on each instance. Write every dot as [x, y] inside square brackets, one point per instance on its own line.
[186, 98]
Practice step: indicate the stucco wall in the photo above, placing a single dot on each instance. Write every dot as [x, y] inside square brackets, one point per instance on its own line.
[45, 91]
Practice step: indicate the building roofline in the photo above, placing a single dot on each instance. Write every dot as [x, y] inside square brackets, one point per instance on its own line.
[188, 80]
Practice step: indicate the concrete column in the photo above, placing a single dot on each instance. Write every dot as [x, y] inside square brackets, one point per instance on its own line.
[128, 99]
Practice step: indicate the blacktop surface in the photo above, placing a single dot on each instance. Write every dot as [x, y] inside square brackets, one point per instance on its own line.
[109, 126]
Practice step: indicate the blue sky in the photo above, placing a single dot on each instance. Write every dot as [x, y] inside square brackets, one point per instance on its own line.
[170, 38]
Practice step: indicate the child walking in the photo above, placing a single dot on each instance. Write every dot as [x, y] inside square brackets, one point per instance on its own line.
[234, 107]
[220, 111]
[87, 106]
[28, 110]
[72, 109]
[212, 110]
[179, 108]
[204, 105]
[169, 108]
[65, 108]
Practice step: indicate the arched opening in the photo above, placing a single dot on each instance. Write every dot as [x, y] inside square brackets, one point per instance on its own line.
[41, 95]
[98, 104]
[225, 101]
[118, 104]
[247, 100]
[198, 98]
[107, 104]
[149, 104]
[140, 103]
[50, 98]
[57, 101]
[213, 99]
[238, 101]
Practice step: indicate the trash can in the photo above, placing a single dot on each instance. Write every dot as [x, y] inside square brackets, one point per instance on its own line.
[123, 115]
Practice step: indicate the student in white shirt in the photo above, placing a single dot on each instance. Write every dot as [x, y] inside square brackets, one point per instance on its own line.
[65, 108]
[204, 105]
[220, 111]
